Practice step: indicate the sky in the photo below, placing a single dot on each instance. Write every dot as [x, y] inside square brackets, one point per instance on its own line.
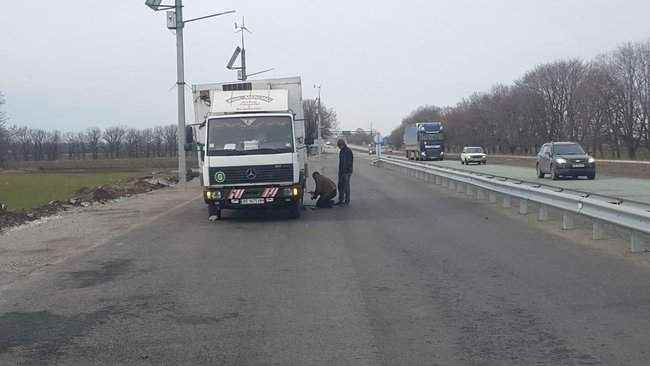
[73, 64]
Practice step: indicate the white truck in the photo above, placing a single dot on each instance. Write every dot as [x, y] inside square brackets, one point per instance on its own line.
[250, 137]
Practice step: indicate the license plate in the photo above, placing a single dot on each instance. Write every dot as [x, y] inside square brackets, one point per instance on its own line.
[578, 165]
[252, 201]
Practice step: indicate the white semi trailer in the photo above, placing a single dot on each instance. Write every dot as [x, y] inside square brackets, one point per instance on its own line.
[250, 137]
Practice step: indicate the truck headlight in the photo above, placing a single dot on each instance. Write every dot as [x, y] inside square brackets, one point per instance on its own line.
[560, 161]
[295, 191]
[213, 195]
[424, 153]
[442, 153]
[591, 160]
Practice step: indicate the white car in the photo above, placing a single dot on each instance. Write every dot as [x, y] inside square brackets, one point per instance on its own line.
[473, 154]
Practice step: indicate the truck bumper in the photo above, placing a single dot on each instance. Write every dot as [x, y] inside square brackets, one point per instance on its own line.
[253, 196]
[434, 155]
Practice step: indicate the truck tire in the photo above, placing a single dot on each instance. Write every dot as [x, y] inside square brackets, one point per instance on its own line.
[554, 174]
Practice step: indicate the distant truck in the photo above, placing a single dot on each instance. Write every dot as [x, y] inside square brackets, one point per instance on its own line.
[425, 141]
[250, 137]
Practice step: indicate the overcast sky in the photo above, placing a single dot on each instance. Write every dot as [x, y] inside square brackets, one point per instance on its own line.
[73, 64]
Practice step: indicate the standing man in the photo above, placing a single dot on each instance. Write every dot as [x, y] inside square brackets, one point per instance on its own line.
[345, 171]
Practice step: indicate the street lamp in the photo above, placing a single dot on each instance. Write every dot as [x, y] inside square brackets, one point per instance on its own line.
[175, 21]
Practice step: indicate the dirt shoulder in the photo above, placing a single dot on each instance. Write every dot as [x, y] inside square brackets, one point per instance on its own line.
[86, 197]
[27, 249]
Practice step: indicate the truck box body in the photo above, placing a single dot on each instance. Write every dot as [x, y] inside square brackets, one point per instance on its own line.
[252, 136]
[424, 141]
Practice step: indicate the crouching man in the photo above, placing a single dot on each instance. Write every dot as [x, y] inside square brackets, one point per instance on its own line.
[325, 191]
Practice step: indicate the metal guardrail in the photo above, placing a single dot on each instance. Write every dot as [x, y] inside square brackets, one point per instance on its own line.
[601, 209]
[585, 194]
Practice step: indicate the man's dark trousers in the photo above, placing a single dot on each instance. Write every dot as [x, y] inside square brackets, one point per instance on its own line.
[344, 187]
[325, 201]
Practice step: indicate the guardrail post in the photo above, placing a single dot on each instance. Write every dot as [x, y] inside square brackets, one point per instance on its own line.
[543, 213]
[636, 243]
[438, 179]
[492, 197]
[451, 184]
[480, 194]
[567, 221]
[470, 189]
[506, 201]
[523, 206]
[597, 231]
[460, 187]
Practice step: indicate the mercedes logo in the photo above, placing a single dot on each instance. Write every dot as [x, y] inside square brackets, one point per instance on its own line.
[250, 174]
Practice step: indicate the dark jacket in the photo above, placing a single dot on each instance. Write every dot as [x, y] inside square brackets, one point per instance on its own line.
[324, 186]
[345, 161]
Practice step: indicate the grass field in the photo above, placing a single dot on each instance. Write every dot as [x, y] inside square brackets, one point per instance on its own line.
[27, 190]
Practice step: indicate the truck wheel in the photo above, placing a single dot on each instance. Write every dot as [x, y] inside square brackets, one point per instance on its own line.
[294, 211]
[540, 174]
[591, 176]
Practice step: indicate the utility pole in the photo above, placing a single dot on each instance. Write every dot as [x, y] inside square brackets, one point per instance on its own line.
[175, 21]
[180, 83]
[318, 123]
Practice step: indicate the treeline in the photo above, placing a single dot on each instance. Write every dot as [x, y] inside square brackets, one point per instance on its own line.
[31, 144]
[604, 104]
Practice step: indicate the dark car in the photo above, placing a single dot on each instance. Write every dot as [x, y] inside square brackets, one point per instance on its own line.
[565, 159]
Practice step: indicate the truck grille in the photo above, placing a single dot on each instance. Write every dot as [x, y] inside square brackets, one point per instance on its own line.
[251, 174]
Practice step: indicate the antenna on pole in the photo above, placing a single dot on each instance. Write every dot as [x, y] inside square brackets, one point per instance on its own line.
[240, 52]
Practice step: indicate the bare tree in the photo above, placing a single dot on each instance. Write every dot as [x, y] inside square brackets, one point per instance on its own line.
[624, 67]
[93, 140]
[38, 137]
[158, 140]
[328, 122]
[113, 137]
[147, 141]
[52, 145]
[132, 142]
[169, 136]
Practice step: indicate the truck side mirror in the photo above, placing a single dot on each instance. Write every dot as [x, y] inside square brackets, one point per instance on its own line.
[189, 136]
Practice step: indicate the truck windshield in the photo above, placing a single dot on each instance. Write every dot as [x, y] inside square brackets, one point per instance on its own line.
[431, 137]
[249, 135]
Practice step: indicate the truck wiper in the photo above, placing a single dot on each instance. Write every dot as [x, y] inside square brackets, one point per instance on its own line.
[269, 150]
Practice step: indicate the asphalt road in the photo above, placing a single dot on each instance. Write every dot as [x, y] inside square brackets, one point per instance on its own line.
[634, 189]
[406, 275]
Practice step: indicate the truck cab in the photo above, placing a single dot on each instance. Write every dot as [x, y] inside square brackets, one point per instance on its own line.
[250, 140]
[425, 141]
